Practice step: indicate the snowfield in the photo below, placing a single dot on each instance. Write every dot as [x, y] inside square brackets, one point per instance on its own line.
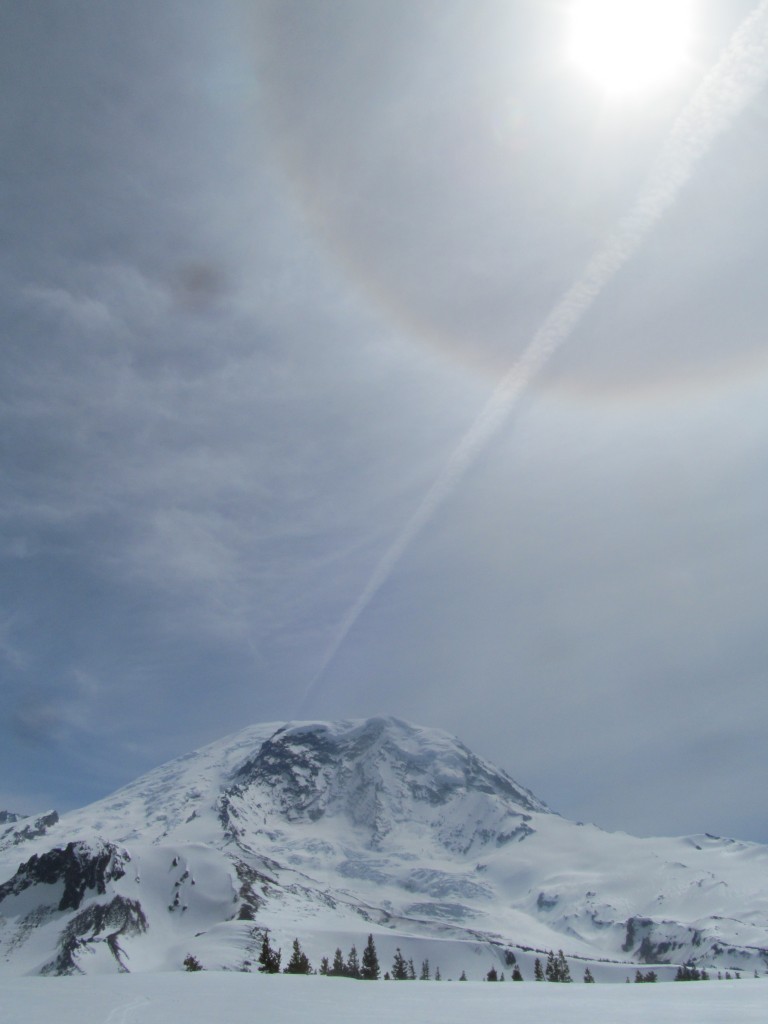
[230, 998]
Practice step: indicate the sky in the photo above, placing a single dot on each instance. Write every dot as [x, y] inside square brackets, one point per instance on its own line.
[375, 358]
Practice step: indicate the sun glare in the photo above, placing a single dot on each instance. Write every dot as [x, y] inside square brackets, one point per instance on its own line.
[630, 47]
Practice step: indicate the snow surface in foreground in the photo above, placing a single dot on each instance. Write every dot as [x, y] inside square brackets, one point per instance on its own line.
[244, 998]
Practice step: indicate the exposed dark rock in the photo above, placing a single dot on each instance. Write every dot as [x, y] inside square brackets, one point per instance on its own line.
[31, 829]
[78, 865]
[8, 817]
[545, 902]
[123, 916]
[249, 880]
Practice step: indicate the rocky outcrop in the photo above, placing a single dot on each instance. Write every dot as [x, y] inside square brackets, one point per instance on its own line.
[79, 865]
[98, 923]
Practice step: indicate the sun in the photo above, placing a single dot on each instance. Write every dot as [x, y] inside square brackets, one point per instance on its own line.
[630, 47]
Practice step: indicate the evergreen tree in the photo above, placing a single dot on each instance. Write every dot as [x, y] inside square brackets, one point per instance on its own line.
[588, 979]
[370, 968]
[299, 962]
[325, 969]
[551, 969]
[399, 967]
[509, 958]
[269, 958]
[424, 975]
[538, 971]
[501, 976]
[563, 970]
[438, 975]
[516, 974]
[463, 976]
[191, 963]
[411, 970]
[688, 972]
[338, 968]
[639, 977]
[492, 975]
[353, 964]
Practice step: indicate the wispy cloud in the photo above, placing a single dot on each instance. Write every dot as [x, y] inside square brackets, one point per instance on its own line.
[735, 79]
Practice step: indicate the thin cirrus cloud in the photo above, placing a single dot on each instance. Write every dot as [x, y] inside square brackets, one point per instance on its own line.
[737, 77]
[264, 259]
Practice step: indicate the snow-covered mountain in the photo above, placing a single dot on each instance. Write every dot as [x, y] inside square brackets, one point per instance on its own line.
[331, 831]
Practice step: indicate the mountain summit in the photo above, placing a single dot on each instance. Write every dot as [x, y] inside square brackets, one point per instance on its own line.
[333, 830]
[375, 778]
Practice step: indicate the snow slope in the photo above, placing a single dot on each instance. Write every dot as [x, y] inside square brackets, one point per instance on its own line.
[329, 831]
[243, 998]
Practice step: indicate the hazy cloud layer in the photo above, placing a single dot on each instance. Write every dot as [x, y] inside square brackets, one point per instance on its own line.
[264, 265]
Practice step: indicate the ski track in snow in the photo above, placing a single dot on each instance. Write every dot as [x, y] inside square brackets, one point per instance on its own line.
[120, 1014]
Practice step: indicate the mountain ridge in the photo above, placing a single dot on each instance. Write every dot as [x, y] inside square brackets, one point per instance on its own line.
[331, 829]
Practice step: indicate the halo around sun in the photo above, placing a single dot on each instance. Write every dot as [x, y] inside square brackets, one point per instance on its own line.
[630, 47]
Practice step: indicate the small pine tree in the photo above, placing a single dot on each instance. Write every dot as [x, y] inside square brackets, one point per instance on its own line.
[338, 967]
[299, 962]
[550, 970]
[353, 964]
[399, 967]
[501, 976]
[516, 973]
[191, 963]
[424, 975]
[438, 975]
[411, 970]
[325, 969]
[639, 977]
[370, 967]
[538, 971]
[509, 958]
[588, 979]
[269, 958]
[463, 976]
[563, 970]
[492, 975]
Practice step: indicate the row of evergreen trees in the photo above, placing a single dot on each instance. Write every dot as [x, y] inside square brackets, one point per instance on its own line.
[366, 967]
[649, 976]
[557, 969]
[690, 973]
[362, 968]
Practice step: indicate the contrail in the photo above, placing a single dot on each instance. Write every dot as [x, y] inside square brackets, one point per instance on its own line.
[736, 78]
